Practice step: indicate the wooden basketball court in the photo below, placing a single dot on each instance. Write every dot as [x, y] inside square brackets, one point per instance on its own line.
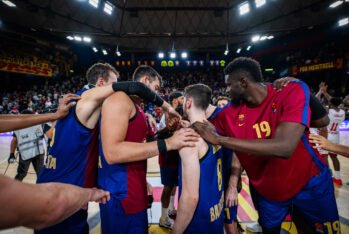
[246, 212]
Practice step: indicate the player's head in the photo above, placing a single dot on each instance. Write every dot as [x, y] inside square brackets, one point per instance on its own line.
[176, 99]
[197, 97]
[101, 74]
[148, 76]
[335, 101]
[239, 73]
[222, 101]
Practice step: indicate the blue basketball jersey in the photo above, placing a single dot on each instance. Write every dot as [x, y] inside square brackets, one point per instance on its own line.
[208, 216]
[73, 155]
[126, 182]
[230, 213]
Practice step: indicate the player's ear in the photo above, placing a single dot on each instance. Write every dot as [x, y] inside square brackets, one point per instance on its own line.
[188, 103]
[145, 80]
[100, 82]
[243, 82]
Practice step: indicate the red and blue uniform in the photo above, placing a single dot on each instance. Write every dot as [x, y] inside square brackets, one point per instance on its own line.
[72, 159]
[208, 216]
[126, 182]
[230, 213]
[302, 182]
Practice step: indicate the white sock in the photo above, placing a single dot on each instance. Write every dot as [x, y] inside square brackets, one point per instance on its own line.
[337, 174]
[164, 212]
[171, 205]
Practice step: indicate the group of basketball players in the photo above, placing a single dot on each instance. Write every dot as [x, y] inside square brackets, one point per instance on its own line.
[267, 129]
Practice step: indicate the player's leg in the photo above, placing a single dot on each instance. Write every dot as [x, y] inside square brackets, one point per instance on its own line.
[299, 221]
[22, 169]
[336, 166]
[169, 180]
[271, 214]
[317, 204]
[165, 202]
[38, 162]
[172, 212]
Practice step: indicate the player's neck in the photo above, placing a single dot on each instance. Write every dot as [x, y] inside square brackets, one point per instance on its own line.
[257, 95]
[197, 116]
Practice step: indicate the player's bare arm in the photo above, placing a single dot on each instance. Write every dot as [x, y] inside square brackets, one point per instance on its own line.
[117, 110]
[190, 192]
[282, 145]
[322, 143]
[39, 206]
[88, 108]
[15, 122]
[231, 197]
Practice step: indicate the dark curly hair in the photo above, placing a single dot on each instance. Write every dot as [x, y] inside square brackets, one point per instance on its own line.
[245, 64]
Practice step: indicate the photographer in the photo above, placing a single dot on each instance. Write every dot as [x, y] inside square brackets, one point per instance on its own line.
[31, 148]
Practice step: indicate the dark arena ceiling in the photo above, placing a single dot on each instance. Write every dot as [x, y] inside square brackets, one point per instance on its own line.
[150, 25]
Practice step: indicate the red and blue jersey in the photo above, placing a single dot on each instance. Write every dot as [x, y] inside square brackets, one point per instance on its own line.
[277, 179]
[73, 155]
[208, 216]
[126, 182]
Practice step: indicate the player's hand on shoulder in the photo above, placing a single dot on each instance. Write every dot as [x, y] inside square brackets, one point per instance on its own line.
[206, 131]
[185, 124]
[184, 137]
[283, 82]
[65, 103]
[172, 122]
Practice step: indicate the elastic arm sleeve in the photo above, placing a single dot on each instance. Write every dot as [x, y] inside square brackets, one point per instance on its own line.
[317, 110]
[139, 89]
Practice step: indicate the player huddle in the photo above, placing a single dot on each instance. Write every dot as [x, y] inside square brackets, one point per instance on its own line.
[102, 143]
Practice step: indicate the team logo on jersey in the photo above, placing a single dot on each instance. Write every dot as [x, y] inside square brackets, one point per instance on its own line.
[274, 106]
[241, 117]
[319, 228]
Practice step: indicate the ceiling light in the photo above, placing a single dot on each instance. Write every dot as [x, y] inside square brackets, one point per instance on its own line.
[260, 3]
[94, 3]
[108, 8]
[172, 55]
[77, 38]
[270, 37]
[104, 52]
[87, 39]
[226, 52]
[244, 8]
[118, 53]
[161, 55]
[9, 3]
[184, 55]
[70, 38]
[255, 38]
[238, 50]
[263, 38]
[95, 49]
[335, 4]
[248, 48]
[343, 21]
